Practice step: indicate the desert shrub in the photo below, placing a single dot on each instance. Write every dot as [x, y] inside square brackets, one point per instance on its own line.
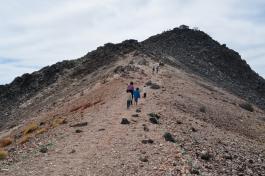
[247, 106]
[41, 130]
[30, 128]
[58, 121]
[5, 142]
[3, 154]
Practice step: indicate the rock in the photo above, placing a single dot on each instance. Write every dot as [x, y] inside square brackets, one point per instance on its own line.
[73, 151]
[154, 86]
[148, 83]
[135, 115]
[146, 128]
[79, 124]
[247, 106]
[154, 115]
[43, 150]
[125, 121]
[203, 109]
[250, 161]
[147, 141]
[193, 129]
[78, 131]
[101, 129]
[228, 156]
[205, 155]
[195, 171]
[12, 149]
[138, 110]
[179, 122]
[169, 137]
[143, 158]
[154, 120]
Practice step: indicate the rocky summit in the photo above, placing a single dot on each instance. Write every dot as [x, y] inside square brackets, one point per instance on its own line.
[203, 113]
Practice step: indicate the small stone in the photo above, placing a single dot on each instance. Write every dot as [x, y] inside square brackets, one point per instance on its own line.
[78, 131]
[43, 150]
[147, 141]
[138, 110]
[193, 129]
[179, 122]
[135, 115]
[195, 171]
[79, 124]
[101, 129]
[228, 156]
[169, 137]
[146, 128]
[125, 121]
[153, 120]
[73, 151]
[250, 161]
[205, 155]
[143, 159]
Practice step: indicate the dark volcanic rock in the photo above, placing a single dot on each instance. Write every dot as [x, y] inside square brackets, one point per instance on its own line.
[154, 120]
[125, 121]
[169, 137]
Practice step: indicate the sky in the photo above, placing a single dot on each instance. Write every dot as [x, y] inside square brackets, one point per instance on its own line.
[37, 33]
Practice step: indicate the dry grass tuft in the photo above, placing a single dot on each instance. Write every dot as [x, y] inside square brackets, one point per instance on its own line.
[5, 141]
[58, 121]
[30, 128]
[3, 154]
[41, 130]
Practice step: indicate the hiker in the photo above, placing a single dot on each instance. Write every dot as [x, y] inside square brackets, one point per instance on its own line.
[154, 69]
[144, 92]
[130, 88]
[136, 95]
[129, 99]
[157, 67]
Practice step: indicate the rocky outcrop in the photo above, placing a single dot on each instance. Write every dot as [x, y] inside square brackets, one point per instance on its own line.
[197, 52]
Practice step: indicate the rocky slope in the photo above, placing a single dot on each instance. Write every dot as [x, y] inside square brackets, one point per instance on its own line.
[200, 54]
[66, 119]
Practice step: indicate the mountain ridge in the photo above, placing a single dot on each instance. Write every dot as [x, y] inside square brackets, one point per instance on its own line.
[193, 50]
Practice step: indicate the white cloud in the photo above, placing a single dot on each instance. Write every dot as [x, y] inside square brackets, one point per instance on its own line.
[40, 33]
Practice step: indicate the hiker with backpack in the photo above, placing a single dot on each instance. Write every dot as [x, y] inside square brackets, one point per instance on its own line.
[130, 88]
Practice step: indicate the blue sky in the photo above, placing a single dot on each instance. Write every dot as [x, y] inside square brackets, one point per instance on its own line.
[36, 33]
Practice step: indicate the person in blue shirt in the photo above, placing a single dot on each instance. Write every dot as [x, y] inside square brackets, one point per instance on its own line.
[136, 95]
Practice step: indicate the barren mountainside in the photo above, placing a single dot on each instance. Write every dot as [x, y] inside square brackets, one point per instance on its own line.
[203, 114]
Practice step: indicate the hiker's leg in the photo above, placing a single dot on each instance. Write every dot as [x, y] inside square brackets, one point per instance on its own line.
[132, 93]
[144, 95]
[128, 104]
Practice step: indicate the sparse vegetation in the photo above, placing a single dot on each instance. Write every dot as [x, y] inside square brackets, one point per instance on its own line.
[58, 121]
[247, 106]
[41, 130]
[3, 154]
[30, 128]
[5, 142]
